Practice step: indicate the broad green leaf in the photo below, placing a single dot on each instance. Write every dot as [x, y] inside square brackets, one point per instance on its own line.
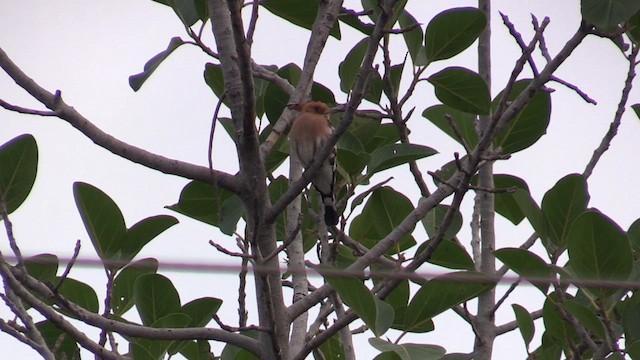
[196, 350]
[633, 349]
[434, 218]
[399, 297]
[156, 349]
[211, 205]
[353, 19]
[449, 254]
[102, 218]
[330, 349]
[556, 327]
[275, 99]
[386, 134]
[636, 108]
[213, 78]
[631, 318]
[136, 81]
[446, 291]
[277, 187]
[528, 125]
[562, 204]
[377, 314]
[462, 89]
[42, 267]
[528, 265]
[142, 233]
[383, 212]
[60, 343]
[122, 298]
[634, 235]
[390, 156]
[188, 11]
[599, 250]
[532, 212]
[155, 297]
[463, 121]
[413, 38]
[79, 293]
[525, 323]
[395, 75]
[505, 203]
[373, 9]
[608, 14]
[352, 157]
[232, 352]
[298, 12]
[633, 32]
[411, 322]
[349, 67]
[409, 351]
[18, 168]
[587, 317]
[200, 312]
[452, 31]
[374, 88]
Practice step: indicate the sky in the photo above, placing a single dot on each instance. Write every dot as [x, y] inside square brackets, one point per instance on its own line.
[89, 49]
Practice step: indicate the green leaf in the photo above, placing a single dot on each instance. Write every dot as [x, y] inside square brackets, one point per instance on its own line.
[449, 254]
[42, 267]
[197, 350]
[446, 291]
[136, 81]
[505, 203]
[390, 156]
[633, 32]
[409, 351]
[60, 343]
[156, 349]
[18, 168]
[142, 233]
[599, 250]
[556, 327]
[122, 298]
[587, 317]
[275, 99]
[532, 212]
[232, 352]
[377, 314]
[298, 12]
[211, 205]
[155, 297]
[608, 14]
[349, 67]
[631, 318]
[409, 322]
[529, 124]
[462, 89]
[463, 121]
[200, 312]
[213, 78]
[413, 38]
[634, 235]
[383, 212]
[79, 293]
[528, 265]
[452, 31]
[562, 204]
[330, 349]
[102, 218]
[633, 349]
[188, 11]
[525, 323]
[352, 157]
[434, 218]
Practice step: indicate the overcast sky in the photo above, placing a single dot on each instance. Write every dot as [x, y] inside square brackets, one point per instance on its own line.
[88, 49]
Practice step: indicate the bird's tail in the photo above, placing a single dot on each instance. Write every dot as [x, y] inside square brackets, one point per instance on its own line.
[330, 212]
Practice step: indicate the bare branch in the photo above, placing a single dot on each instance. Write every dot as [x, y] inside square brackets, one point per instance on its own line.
[102, 139]
[23, 110]
[67, 270]
[613, 127]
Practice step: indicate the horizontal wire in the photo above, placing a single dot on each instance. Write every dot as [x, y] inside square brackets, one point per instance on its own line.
[417, 276]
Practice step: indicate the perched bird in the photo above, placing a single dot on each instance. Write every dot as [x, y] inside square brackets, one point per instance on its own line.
[309, 132]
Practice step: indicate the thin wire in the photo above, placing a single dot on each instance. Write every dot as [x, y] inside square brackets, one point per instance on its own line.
[421, 275]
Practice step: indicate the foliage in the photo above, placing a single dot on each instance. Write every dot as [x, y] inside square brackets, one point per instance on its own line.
[590, 318]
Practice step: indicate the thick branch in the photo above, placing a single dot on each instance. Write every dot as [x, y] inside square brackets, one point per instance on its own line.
[116, 146]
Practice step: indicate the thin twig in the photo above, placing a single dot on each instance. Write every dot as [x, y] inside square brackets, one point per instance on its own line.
[67, 270]
[23, 110]
[457, 133]
[225, 251]
[542, 44]
[613, 127]
[505, 296]
[290, 239]
[237, 329]
[581, 93]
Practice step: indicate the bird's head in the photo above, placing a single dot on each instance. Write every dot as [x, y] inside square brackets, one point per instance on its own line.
[315, 107]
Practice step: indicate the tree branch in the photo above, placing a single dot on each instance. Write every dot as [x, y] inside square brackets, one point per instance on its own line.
[110, 143]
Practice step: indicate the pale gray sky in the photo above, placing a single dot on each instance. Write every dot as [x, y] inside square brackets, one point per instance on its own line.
[88, 50]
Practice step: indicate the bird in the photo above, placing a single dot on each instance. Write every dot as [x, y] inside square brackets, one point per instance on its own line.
[308, 135]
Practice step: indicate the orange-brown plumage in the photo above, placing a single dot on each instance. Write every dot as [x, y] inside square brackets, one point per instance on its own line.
[308, 135]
